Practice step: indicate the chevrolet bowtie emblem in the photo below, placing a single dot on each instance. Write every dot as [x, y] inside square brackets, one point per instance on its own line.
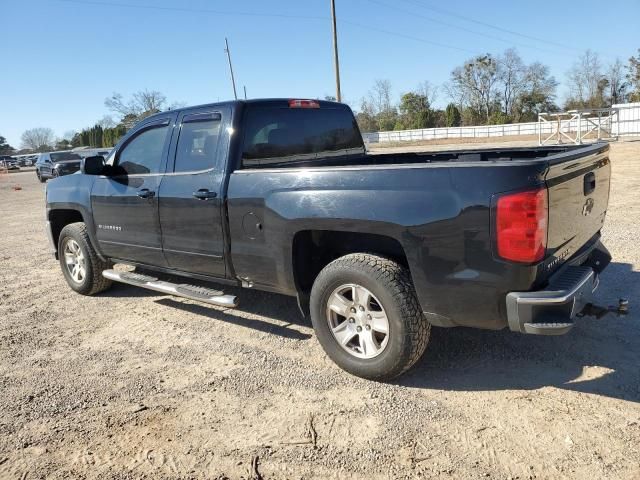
[587, 207]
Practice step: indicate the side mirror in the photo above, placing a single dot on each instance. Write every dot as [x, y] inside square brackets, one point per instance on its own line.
[92, 165]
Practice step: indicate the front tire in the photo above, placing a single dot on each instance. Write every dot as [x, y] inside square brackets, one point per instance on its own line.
[367, 318]
[81, 266]
[42, 180]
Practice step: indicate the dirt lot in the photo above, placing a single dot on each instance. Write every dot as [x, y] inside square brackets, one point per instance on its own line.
[131, 384]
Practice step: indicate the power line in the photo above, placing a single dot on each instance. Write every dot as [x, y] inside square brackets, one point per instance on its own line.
[193, 10]
[274, 15]
[489, 25]
[410, 37]
[458, 27]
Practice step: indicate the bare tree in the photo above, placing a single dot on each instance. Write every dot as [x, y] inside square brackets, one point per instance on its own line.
[538, 94]
[618, 86]
[38, 139]
[140, 105]
[69, 134]
[586, 82]
[513, 77]
[380, 95]
[475, 83]
[150, 101]
[428, 90]
[106, 122]
[380, 99]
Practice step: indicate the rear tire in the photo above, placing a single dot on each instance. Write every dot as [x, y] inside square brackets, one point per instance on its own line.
[81, 266]
[352, 330]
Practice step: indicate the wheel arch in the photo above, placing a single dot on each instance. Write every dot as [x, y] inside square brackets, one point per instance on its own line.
[312, 250]
[61, 215]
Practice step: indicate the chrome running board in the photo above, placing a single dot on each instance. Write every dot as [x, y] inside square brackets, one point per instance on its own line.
[199, 294]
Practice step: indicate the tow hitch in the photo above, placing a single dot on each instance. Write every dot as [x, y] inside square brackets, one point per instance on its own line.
[591, 310]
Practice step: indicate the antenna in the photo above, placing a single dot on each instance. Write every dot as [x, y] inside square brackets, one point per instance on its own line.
[233, 80]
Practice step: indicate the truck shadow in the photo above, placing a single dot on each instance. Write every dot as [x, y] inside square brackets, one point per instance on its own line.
[598, 356]
[230, 316]
[253, 304]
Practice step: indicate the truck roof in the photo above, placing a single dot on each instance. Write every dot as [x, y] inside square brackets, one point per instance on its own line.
[284, 102]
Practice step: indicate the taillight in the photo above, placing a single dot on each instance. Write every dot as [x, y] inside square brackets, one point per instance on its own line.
[521, 226]
[303, 104]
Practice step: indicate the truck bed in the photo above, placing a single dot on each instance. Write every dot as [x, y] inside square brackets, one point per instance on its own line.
[508, 154]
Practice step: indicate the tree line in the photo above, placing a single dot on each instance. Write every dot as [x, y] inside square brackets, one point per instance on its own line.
[105, 133]
[484, 90]
[496, 89]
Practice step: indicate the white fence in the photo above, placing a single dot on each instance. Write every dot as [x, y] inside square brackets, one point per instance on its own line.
[624, 121]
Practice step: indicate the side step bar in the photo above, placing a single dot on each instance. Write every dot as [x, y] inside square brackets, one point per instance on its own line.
[192, 292]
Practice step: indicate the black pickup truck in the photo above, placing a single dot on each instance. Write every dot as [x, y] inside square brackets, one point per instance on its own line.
[281, 195]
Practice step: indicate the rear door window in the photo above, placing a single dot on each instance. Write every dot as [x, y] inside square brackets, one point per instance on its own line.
[281, 137]
[198, 142]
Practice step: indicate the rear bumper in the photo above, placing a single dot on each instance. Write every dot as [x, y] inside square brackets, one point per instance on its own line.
[551, 311]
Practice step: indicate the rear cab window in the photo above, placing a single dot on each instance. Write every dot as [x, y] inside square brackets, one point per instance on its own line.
[280, 135]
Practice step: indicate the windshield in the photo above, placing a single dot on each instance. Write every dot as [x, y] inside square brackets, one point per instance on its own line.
[60, 156]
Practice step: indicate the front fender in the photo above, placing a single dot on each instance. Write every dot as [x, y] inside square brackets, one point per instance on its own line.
[73, 192]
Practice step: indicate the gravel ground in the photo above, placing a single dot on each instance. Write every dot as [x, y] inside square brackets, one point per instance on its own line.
[130, 384]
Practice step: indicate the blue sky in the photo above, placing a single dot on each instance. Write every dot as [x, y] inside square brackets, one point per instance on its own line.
[62, 58]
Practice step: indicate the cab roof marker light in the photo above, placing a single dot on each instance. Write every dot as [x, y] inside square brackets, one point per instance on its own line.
[298, 103]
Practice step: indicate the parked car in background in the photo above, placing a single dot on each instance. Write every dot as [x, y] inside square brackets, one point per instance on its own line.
[26, 160]
[57, 164]
[8, 162]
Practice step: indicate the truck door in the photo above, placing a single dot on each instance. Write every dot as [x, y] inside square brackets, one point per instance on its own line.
[125, 203]
[190, 197]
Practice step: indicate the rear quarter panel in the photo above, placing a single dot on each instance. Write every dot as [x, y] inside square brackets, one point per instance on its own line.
[440, 214]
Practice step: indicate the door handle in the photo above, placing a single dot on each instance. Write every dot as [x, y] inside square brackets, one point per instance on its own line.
[204, 194]
[146, 193]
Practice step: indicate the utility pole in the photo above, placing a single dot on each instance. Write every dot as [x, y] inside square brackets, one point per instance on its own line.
[245, 91]
[233, 80]
[335, 50]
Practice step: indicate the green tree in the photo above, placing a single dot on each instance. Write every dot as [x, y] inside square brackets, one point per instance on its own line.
[63, 144]
[5, 148]
[452, 116]
[633, 76]
[415, 112]
[489, 84]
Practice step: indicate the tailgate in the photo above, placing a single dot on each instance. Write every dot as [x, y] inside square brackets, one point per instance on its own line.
[578, 184]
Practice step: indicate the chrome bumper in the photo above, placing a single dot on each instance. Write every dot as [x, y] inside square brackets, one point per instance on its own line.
[551, 311]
